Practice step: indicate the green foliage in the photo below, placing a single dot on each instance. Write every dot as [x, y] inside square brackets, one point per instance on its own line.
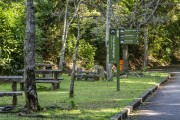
[161, 46]
[70, 47]
[11, 36]
[93, 29]
[164, 36]
[73, 104]
[164, 39]
[86, 52]
[44, 30]
[163, 32]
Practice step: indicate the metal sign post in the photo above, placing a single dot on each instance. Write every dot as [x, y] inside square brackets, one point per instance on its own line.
[114, 47]
[117, 37]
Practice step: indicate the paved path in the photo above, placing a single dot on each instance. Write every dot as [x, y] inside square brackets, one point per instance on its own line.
[165, 104]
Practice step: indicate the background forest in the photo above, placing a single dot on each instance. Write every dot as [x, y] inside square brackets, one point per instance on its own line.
[163, 32]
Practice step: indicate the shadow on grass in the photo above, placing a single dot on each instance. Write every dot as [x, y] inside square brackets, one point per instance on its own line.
[94, 100]
[43, 88]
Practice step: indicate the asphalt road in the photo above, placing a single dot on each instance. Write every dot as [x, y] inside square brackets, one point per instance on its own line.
[165, 103]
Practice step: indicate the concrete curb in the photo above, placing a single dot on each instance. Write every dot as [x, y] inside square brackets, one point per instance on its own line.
[128, 109]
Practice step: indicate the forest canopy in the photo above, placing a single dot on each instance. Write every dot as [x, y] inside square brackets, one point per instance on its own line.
[164, 29]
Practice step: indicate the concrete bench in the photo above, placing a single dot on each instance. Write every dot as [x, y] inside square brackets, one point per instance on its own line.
[55, 83]
[14, 93]
[56, 73]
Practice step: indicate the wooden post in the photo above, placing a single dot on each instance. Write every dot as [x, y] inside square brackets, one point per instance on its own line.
[57, 85]
[22, 86]
[54, 86]
[14, 88]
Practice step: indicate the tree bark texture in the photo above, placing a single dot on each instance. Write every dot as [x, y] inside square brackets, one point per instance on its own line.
[125, 69]
[108, 21]
[29, 61]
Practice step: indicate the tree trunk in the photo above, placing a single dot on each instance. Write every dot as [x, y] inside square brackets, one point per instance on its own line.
[108, 21]
[65, 33]
[71, 92]
[125, 59]
[146, 41]
[125, 69]
[64, 36]
[29, 62]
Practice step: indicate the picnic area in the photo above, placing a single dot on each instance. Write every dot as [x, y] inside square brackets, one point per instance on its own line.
[84, 60]
[93, 100]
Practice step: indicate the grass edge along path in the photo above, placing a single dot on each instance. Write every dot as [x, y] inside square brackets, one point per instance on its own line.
[96, 100]
[129, 109]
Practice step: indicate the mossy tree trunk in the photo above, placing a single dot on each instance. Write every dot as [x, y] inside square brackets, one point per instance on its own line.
[29, 61]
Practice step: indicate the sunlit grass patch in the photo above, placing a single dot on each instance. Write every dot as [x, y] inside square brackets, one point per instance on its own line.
[96, 100]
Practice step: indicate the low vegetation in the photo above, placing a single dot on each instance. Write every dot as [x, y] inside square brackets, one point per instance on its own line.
[94, 100]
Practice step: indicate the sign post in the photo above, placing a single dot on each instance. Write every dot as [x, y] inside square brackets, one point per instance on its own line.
[117, 37]
[114, 47]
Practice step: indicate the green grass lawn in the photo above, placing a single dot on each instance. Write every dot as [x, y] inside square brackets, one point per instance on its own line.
[96, 100]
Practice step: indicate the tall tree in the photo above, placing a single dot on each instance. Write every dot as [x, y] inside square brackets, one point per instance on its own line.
[29, 60]
[108, 22]
[64, 36]
[143, 14]
[149, 13]
[125, 46]
[65, 31]
[71, 91]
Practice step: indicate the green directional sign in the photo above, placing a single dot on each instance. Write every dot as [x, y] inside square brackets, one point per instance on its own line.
[129, 36]
[114, 50]
[113, 45]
